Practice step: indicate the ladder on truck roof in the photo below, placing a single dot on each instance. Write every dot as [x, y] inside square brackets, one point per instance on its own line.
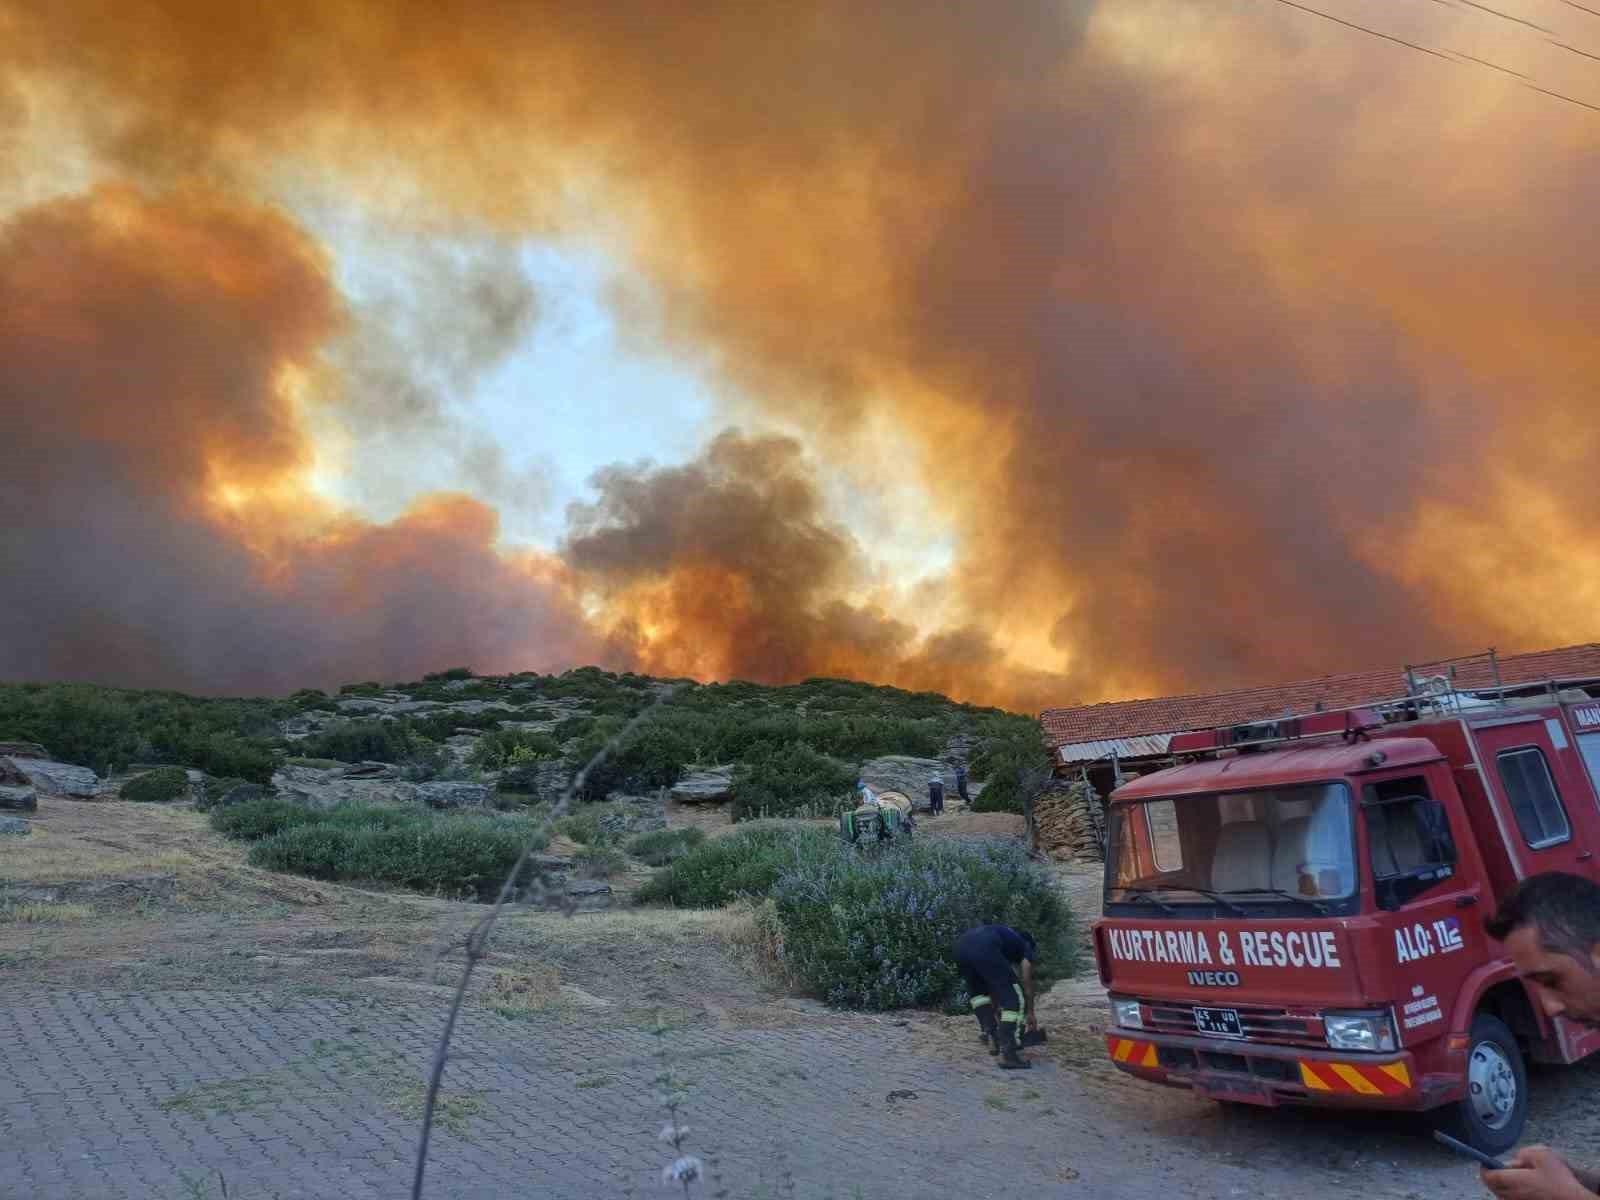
[1429, 694]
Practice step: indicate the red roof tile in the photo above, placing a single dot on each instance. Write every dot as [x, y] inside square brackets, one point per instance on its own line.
[1177, 714]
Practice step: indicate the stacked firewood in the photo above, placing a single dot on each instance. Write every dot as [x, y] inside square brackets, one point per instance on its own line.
[1067, 820]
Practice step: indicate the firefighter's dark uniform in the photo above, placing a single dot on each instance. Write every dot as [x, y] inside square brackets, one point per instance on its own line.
[988, 957]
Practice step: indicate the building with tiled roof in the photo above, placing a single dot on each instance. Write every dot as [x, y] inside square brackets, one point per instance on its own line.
[1138, 731]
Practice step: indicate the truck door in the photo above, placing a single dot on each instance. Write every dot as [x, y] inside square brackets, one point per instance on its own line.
[1419, 875]
[1531, 773]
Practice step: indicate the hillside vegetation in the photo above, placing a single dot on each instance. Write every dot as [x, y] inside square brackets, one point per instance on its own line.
[793, 750]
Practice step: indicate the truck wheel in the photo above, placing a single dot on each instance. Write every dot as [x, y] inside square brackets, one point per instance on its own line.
[1491, 1115]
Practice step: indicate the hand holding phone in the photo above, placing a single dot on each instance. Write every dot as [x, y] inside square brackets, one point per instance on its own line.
[1466, 1151]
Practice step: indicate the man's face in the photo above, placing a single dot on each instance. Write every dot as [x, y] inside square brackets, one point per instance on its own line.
[1564, 986]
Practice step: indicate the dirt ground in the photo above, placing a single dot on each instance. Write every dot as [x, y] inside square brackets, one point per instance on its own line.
[110, 897]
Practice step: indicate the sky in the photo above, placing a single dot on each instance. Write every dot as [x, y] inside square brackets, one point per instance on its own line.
[1034, 352]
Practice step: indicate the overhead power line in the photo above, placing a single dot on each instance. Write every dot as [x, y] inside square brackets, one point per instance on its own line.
[1453, 56]
[1495, 12]
[1574, 4]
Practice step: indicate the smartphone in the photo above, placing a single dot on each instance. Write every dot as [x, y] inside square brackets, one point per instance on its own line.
[1466, 1151]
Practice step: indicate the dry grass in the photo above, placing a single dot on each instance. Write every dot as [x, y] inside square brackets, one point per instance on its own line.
[75, 842]
[32, 913]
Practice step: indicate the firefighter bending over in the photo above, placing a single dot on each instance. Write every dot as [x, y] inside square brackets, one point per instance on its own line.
[988, 957]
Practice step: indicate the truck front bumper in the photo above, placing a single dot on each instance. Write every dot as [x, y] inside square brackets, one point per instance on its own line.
[1255, 1073]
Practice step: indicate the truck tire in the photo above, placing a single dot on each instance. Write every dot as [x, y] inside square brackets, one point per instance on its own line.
[1491, 1114]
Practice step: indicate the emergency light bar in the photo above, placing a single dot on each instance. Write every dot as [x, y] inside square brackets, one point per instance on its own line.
[1349, 723]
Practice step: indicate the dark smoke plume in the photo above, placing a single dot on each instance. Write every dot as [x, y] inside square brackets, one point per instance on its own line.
[1232, 346]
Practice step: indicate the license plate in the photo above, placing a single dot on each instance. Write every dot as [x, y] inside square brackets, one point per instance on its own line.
[1218, 1020]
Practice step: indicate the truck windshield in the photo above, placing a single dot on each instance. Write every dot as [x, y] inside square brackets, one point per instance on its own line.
[1284, 846]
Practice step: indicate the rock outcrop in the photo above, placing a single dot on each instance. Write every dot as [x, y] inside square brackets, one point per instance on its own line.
[59, 778]
[902, 773]
[452, 795]
[714, 786]
[17, 793]
[14, 827]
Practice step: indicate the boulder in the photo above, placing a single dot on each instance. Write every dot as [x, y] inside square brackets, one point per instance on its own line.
[453, 795]
[242, 794]
[17, 793]
[371, 770]
[909, 776]
[705, 787]
[23, 750]
[58, 778]
[14, 827]
[322, 789]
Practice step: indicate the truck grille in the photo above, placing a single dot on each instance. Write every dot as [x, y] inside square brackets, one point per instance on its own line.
[1258, 1024]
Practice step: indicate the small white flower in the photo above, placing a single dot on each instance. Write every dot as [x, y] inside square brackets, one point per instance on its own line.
[686, 1170]
[672, 1134]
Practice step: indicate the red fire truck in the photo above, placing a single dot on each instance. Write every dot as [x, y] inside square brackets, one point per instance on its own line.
[1294, 912]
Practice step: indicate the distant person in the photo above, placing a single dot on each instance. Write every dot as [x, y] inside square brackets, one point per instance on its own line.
[935, 795]
[1550, 925]
[961, 784]
[988, 957]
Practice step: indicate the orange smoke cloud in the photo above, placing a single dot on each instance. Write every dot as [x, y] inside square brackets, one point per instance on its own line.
[1242, 354]
[158, 532]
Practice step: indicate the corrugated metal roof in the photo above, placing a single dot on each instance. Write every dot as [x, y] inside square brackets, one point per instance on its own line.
[1133, 747]
[1124, 719]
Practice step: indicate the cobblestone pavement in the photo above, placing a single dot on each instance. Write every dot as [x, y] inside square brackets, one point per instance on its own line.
[170, 1094]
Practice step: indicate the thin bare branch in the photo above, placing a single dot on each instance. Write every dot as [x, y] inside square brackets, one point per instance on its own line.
[478, 940]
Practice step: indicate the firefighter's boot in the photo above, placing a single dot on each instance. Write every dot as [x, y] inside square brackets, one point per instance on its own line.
[1010, 1060]
[988, 1034]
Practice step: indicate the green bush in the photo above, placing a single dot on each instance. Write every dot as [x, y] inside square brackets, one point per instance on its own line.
[875, 928]
[663, 846]
[255, 819]
[1012, 761]
[456, 855]
[109, 728]
[599, 861]
[582, 827]
[452, 673]
[362, 741]
[652, 756]
[213, 790]
[791, 781]
[444, 853]
[504, 748]
[154, 787]
[746, 863]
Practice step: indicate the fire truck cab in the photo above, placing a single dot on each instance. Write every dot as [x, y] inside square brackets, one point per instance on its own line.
[1294, 913]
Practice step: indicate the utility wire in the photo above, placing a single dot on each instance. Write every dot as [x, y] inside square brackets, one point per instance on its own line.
[1573, 4]
[1453, 56]
[1495, 12]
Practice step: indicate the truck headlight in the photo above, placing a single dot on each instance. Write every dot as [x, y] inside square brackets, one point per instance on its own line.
[1126, 1014]
[1369, 1031]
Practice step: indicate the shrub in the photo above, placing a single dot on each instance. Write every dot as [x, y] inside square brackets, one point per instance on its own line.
[362, 741]
[255, 819]
[456, 855]
[214, 791]
[572, 727]
[599, 861]
[581, 827]
[790, 781]
[663, 846]
[653, 756]
[452, 673]
[875, 928]
[154, 787]
[746, 863]
[512, 747]
[1013, 763]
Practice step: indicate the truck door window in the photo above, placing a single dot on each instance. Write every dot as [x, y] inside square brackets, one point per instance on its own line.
[1534, 799]
[1589, 747]
[1408, 839]
[1161, 819]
